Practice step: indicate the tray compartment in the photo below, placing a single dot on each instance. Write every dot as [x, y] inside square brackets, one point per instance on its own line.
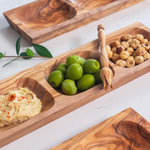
[88, 5]
[44, 14]
[45, 97]
[86, 54]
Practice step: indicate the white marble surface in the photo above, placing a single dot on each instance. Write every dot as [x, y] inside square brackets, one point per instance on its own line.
[134, 94]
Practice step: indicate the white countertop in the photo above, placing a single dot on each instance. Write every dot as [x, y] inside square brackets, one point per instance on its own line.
[134, 94]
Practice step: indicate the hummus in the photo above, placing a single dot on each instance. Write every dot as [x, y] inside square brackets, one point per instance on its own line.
[18, 106]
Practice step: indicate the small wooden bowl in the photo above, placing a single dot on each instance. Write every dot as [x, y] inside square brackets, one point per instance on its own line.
[125, 130]
[55, 103]
[45, 19]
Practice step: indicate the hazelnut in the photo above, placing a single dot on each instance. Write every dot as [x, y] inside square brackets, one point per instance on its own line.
[114, 50]
[108, 48]
[115, 57]
[134, 43]
[125, 44]
[130, 50]
[144, 41]
[130, 40]
[140, 51]
[126, 37]
[109, 53]
[115, 44]
[119, 49]
[146, 46]
[139, 59]
[130, 62]
[134, 54]
[147, 56]
[139, 37]
[121, 63]
[124, 55]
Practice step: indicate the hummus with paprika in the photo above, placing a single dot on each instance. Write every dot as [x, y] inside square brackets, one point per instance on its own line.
[18, 106]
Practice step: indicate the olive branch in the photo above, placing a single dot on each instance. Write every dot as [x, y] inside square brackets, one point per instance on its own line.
[42, 51]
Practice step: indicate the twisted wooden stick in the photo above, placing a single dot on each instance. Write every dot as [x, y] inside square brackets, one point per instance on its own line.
[106, 73]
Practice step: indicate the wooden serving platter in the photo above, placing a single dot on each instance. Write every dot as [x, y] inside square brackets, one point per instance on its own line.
[42, 20]
[55, 103]
[126, 130]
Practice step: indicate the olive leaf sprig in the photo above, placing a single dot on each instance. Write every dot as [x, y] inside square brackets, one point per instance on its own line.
[42, 51]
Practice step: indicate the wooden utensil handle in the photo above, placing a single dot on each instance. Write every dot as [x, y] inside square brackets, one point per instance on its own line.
[104, 61]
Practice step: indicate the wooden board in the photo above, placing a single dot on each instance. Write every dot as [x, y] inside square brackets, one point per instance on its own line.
[55, 103]
[126, 130]
[42, 20]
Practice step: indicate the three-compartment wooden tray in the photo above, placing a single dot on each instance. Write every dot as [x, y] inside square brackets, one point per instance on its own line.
[45, 19]
[126, 130]
[56, 104]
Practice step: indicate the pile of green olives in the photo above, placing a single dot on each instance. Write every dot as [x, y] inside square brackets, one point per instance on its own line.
[76, 74]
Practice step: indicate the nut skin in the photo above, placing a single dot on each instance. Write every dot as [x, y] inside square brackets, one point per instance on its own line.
[126, 37]
[134, 54]
[130, 50]
[130, 62]
[144, 41]
[139, 37]
[114, 50]
[121, 63]
[139, 59]
[125, 44]
[140, 51]
[115, 57]
[119, 49]
[134, 43]
[115, 44]
[124, 55]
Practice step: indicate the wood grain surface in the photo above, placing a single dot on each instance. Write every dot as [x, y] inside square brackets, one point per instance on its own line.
[43, 14]
[56, 104]
[42, 20]
[124, 131]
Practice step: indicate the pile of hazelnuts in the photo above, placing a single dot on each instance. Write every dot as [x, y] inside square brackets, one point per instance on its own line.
[131, 50]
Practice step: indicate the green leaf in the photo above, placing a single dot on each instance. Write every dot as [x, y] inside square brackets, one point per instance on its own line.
[42, 51]
[18, 45]
[25, 54]
[1, 55]
[29, 52]
[10, 61]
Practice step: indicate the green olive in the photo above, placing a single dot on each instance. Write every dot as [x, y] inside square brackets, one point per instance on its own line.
[85, 82]
[69, 87]
[90, 66]
[75, 71]
[73, 59]
[97, 76]
[62, 67]
[55, 78]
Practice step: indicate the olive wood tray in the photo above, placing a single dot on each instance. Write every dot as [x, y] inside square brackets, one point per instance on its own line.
[55, 103]
[126, 130]
[42, 20]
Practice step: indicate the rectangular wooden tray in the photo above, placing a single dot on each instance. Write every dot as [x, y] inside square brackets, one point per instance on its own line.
[125, 130]
[42, 20]
[55, 103]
